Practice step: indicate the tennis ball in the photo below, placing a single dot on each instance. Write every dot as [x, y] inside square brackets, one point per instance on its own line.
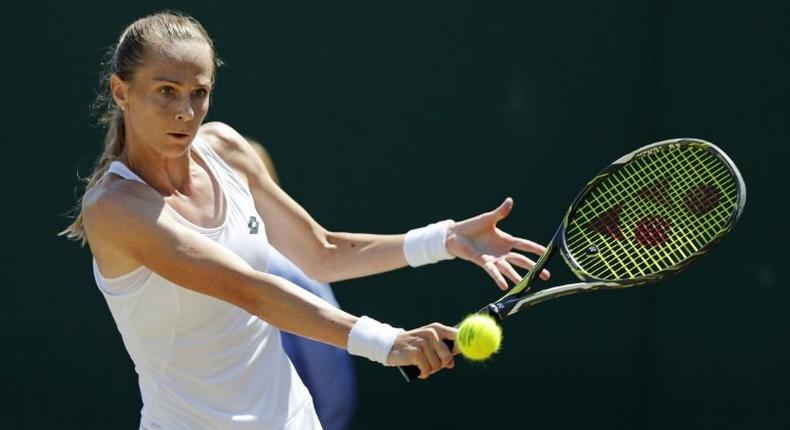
[478, 337]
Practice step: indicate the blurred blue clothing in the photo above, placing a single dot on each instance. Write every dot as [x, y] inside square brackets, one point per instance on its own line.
[326, 371]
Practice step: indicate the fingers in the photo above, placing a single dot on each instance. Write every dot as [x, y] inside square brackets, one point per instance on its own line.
[527, 246]
[524, 262]
[434, 363]
[424, 348]
[506, 269]
[438, 348]
[444, 332]
[493, 271]
[422, 363]
[499, 268]
[436, 354]
[503, 210]
[443, 351]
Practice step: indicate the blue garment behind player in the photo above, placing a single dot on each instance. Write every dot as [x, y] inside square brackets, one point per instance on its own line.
[326, 371]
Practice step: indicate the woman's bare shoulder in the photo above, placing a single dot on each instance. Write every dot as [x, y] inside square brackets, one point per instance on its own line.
[113, 211]
[232, 147]
[223, 139]
[114, 199]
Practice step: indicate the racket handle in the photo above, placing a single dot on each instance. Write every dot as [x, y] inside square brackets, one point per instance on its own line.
[412, 372]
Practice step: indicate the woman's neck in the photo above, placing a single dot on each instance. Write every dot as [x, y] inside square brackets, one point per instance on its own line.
[168, 175]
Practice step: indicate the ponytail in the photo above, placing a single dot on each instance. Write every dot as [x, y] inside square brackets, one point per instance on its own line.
[114, 142]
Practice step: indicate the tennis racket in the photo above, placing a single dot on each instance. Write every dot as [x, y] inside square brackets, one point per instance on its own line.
[649, 215]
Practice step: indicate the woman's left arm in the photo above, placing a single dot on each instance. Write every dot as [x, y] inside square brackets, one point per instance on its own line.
[330, 256]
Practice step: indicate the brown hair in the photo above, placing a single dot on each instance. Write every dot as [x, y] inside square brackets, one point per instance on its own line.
[123, 59]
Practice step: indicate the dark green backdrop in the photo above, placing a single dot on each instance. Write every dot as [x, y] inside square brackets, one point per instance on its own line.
[382, 116]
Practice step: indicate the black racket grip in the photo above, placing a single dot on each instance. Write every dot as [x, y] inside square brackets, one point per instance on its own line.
[412, 372]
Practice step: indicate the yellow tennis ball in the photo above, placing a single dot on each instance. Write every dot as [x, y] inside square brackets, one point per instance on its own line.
[478, 337]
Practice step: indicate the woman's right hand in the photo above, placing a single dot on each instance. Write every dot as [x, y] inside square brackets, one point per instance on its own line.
[424, 348]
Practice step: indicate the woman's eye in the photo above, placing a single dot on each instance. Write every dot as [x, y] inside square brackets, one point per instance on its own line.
[201, 93]
[166, 91]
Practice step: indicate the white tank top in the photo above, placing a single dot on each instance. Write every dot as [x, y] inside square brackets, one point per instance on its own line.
[205, 364]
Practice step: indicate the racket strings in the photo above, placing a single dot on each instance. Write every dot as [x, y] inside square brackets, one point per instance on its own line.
[656, 230]
[649, 232]
[633, 261]
[686, 239]
[652, 213]
[697, 204]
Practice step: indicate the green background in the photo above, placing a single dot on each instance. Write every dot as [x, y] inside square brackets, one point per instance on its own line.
[383, 116]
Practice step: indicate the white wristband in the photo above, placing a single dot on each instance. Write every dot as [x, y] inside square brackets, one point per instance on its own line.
[372, 339]
[428, 244]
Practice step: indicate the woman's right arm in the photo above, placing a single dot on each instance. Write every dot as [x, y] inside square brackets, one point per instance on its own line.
[132, 220]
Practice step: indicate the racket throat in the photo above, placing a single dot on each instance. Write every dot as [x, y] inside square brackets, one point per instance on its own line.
[494, 311]
[523, 286]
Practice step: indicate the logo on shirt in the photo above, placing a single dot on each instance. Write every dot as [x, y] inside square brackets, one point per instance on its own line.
[253, 225]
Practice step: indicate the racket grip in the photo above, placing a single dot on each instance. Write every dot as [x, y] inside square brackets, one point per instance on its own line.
[412, 372]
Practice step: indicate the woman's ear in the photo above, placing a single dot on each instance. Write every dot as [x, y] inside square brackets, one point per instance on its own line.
[119, 89]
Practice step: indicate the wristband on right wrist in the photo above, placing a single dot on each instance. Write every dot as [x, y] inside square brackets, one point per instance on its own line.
[371, 339]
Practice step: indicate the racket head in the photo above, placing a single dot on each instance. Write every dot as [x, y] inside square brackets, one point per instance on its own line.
[652, 213]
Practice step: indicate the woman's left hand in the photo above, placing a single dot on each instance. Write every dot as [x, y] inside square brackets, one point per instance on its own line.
[478, 240]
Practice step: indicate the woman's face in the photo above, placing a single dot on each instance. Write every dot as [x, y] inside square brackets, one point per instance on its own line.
[168, 96]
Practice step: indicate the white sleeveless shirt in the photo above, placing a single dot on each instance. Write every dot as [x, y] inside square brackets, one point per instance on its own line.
[205, 364]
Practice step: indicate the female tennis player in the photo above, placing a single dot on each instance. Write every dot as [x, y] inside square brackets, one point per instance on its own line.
[177, 215]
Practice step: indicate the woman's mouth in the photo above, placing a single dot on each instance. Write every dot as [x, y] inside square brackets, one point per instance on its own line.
[179, 136]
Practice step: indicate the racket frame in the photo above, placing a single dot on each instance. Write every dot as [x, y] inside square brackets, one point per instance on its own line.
[520, 297]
